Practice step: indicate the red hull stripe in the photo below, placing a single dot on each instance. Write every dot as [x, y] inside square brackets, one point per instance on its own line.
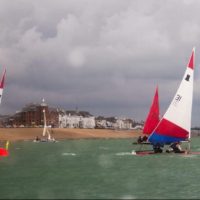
[167, 128]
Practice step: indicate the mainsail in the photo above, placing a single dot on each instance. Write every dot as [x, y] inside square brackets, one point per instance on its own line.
[45, 129]
[152, 119]
[3, 151]
[176, 123]
[2, 85]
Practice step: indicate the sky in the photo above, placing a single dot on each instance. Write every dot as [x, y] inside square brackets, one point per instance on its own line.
[101, 56]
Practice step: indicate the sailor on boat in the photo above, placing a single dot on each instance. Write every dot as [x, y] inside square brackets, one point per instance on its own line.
[157, 148]
[175, 147]
[37, 139]
[141, 139]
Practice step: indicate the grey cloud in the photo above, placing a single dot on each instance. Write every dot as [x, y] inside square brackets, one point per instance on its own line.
[105, 56]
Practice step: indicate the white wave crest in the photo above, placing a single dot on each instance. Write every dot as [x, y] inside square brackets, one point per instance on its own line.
[123, 154]
[68, 154]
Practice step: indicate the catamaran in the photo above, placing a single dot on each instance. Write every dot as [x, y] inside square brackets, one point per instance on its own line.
[175, 125]
[3, 151]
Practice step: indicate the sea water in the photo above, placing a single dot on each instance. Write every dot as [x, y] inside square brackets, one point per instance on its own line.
[96, 169]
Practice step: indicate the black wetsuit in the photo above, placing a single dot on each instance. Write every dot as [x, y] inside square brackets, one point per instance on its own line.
[176, 149]
[157, 148]
[139, 140]
[142, 139]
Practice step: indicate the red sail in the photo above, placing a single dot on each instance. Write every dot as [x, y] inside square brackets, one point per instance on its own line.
[2, 80]
[3, 152]
[153, 116]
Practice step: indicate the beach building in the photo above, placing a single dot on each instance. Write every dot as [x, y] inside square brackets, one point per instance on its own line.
[76, 119]
[122, 123]
[87, 122]
[101, 122]
[113, 123]
[31, 115]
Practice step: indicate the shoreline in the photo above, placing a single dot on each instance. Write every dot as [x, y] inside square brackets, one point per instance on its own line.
[27, 134]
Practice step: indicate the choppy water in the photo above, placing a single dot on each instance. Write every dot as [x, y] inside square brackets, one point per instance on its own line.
[96, 169]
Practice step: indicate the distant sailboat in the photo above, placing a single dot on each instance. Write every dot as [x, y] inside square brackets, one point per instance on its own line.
[175, 126]
[3, 151]
[152, 119]
[46, 128]
[46, 131]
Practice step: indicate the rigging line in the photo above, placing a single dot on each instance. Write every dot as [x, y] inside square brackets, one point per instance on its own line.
[198, 98]
[197, 92]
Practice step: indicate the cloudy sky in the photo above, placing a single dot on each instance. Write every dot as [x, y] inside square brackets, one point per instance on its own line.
[103, 56]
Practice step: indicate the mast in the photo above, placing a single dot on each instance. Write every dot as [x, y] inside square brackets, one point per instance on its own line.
[45, 123]
[191, 65]
[44, 105]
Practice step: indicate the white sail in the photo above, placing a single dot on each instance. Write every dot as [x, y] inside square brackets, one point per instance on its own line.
[176, 122]
[45, 123]
[46, 128]
[2, 85]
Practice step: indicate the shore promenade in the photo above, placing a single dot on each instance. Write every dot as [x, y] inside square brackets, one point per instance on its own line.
[15, 134]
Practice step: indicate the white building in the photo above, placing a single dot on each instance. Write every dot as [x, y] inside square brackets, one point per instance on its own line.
[113, 123]
[75, 119]
[72, 119]
[122, 124]
[68, 121]
[102, 123]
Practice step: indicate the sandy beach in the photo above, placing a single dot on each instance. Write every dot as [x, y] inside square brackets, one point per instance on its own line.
[15, 134]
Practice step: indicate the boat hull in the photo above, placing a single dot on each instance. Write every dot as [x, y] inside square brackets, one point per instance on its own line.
[146, 153]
